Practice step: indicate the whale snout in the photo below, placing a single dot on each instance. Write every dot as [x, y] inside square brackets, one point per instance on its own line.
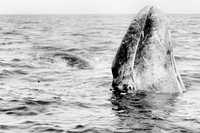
[129, 88]
[124, 88]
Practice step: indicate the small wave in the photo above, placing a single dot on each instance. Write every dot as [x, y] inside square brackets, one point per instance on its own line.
[106, 42]
[30, 113]
[187, 58]
[78, 34]
[5, 73]
[74, 61]
[6, 43]
[11, 33]
[195, 33]
[41, 128]
[13, 109]
[16, 60]
[82, 105]
[52, 129]
[25, 27]
[72, 49]
[16, 65]
[20, 72]
[85, 129]
[37, 127]
[24, 66]
[97, 49]
[38, 102]
[195, 75]
[5, 64]
[10, 43]
[48, 48]
[26, 107]
[19, 111]
[7, 127]
[34, 78]
[186, 79]
[31, 22]
[28, 122]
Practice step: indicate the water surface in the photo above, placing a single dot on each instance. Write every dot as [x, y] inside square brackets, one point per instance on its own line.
[55, 77]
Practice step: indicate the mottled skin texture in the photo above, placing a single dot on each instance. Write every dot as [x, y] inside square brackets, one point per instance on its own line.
[144, 60]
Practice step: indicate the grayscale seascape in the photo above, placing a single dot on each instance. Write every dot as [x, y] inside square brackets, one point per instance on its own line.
[55, 77]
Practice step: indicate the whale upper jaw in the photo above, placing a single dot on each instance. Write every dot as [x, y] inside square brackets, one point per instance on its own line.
[145, 60]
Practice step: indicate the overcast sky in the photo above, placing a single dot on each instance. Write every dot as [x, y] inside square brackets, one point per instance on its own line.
[94, 6]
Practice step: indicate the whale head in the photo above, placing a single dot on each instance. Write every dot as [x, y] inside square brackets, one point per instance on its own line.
[144, 60]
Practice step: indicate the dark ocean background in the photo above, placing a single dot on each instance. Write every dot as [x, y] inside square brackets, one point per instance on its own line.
[55, 77]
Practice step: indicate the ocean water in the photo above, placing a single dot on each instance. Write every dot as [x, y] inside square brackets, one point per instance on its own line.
[55, 77]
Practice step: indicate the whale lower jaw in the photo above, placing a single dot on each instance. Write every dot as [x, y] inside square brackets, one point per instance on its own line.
[145, 60]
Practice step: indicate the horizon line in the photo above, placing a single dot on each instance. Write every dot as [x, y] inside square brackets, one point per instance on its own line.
[91, 13]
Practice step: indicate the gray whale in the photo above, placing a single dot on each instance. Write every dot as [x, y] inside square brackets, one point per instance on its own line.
[145, 60]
